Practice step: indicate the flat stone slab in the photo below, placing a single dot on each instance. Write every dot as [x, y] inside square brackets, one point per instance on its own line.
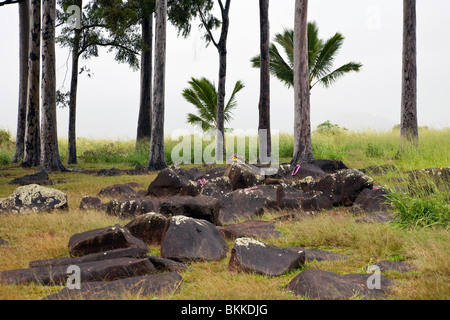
[324, 285]
[250, 255]
[189, 239]
[103, 239]
[104, 270]
[40, 178]
[132, 252]
[150, 285]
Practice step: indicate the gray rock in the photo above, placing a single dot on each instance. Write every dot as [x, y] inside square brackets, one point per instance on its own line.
[34, 198]
[103, 239]
[131, 207]
[250, 255]
[189, 239]
[102, 270]
[324, 285]
[199, 207]
[149, 227]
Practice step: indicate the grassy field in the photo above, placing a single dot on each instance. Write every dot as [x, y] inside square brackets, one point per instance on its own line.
[42, 236]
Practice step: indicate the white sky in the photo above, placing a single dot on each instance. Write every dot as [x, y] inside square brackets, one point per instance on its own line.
[108, 102]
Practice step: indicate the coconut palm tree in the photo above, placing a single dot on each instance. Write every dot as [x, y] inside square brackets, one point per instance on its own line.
[203, 96]
[321, 55]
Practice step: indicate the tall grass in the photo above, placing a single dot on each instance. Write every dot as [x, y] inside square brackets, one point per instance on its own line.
[356, 149]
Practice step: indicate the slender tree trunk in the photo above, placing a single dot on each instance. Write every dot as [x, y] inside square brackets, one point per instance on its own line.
[145, 107]
[302, 121]
[24, 29]
[157, 159]
[32, 151]
[222, 48]
[72, 135]
[50, 159]
[408, 125]
[265, 147]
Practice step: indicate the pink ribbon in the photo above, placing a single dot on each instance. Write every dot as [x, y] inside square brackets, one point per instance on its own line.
[252, 188]
[202, 182]
[294, 172]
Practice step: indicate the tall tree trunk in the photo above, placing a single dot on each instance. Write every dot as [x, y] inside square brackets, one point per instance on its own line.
[157, 159]
[265, 147]
[32, 151]
[145, 106]
[24, 29]
[408, 125]
[50, 159]
[302, 119]
[222, 48]
[72, 135]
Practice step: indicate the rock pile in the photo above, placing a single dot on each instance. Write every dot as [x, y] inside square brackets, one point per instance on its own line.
[191, 214]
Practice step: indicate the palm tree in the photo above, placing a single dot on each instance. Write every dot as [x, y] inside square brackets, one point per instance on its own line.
[203, 95]
[321, 55]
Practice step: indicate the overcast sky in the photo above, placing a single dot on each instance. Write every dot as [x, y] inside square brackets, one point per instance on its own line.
[108, 102]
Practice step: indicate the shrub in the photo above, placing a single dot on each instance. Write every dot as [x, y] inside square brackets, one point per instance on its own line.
[5, 136]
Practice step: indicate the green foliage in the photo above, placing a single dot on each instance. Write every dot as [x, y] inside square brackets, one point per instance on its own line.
[329, 128]
[420, 210]
[321, 56]
[203, 96]
[5, 136]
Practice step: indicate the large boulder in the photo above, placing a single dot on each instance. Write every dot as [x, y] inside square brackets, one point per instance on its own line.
[142, 286]
[34, 198]
[324, 285]
[199, 207]
[148, 227]
[215, 187]
[174, 181]
[243, 204]
[103, 239]
[250, 255]
[343, 187]
[131, 207]
[189, 239]
[244, 175]
[304, 175]
[102, 270]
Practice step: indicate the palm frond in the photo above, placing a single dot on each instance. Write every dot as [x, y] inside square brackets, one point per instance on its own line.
[232, 101]
[198, 121]
[325, 59]
[286, 41]
[332, 77]
[315, 44]
[280, 68]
